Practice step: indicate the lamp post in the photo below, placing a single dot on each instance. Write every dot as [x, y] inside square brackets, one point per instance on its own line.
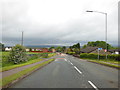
[105, 27]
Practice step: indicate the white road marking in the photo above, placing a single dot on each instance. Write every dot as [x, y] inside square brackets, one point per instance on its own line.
[71, 63]
[77, 69]
[65, 60]
[56, 60]
[93, 85]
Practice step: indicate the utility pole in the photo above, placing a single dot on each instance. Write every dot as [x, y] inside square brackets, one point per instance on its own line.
[22, 39]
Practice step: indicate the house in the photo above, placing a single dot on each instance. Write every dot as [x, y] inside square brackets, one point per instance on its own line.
[53, 50]
[8, 48]
[90, 49]
[40, 50]
[27, 49]
[114, 51]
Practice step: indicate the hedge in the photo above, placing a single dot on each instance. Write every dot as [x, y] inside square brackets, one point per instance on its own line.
[95, 56]
[70, 53]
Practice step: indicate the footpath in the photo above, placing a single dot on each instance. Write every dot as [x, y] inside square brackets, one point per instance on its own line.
[18, 69]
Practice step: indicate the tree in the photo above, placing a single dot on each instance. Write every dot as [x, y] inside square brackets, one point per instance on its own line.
[101, 44]
[75, 48]
[58, 49]
[17, 54]
[50, 49]
[84, 46]
[2, 48]
[63, 49]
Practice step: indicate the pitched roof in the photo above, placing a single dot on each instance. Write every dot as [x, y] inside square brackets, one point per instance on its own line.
[113, 50]
[88, 49]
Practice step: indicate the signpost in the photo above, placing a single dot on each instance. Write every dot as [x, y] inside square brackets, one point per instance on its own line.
[99, 53]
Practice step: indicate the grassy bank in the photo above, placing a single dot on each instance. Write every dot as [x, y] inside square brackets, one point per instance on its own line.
[108, 62]
[9, 79]
[20, 65]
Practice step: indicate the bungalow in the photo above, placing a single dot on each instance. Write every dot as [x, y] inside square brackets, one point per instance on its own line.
[114, 51]
[89, 50]
[92, 50]
[8, 48]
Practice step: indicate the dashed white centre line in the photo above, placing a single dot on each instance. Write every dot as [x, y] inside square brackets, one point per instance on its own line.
[93, 85]
[77, 69]
[71, 63]
[65, 60]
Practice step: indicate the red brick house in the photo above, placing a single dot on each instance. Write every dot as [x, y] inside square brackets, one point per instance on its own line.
[40, 50]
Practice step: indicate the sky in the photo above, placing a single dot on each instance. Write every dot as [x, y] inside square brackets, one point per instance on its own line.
[57, 22]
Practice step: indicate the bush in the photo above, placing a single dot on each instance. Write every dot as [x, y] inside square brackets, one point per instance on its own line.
[71, 53]
[95, 56]
[17, 54]
[35, 56]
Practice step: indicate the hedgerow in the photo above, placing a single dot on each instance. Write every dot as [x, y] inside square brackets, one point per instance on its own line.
[95, 56]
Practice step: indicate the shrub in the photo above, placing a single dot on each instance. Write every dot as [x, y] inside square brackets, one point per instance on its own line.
[17, 54]
[35, 56]
[71, 53]
[95, 56]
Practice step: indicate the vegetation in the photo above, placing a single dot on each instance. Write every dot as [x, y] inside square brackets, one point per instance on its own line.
[107, 63]
[50, 49]
[17, 54]
[75, 48]
[71, 53]
[58, 49]
[95, 56]
[2, 47]
[61, 49]
[20, 74]
[101, 44]
[6, 65]
[12, 66]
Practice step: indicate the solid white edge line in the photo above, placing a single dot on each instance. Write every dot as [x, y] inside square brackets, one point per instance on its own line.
[77, 69]
[93, 85]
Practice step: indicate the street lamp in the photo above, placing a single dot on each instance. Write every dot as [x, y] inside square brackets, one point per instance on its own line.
[105, 27]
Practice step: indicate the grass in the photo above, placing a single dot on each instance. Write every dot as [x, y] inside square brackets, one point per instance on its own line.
[104, 60]
[51, 54]
[32, 53]
[103, 63]
[19, 65]
[5, 65]
[13, 77]
[107, 62]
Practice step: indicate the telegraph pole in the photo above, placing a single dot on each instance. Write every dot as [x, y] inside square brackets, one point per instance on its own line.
[22, 39]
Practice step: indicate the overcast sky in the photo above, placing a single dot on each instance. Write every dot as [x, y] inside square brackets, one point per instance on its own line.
[58, 21]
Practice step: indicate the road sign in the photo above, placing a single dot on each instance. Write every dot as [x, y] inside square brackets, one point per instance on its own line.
[105, 50]
[99, 48]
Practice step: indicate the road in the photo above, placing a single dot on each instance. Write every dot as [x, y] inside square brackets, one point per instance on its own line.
[70, 72]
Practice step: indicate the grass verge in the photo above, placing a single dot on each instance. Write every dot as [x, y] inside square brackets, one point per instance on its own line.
[20, 65]
[4, 66]
[19, 75]
[105, 62]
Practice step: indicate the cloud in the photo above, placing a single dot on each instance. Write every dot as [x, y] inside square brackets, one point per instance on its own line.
[58, 21]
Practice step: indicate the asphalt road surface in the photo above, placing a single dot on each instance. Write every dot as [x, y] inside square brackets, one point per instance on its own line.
[70, 72]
